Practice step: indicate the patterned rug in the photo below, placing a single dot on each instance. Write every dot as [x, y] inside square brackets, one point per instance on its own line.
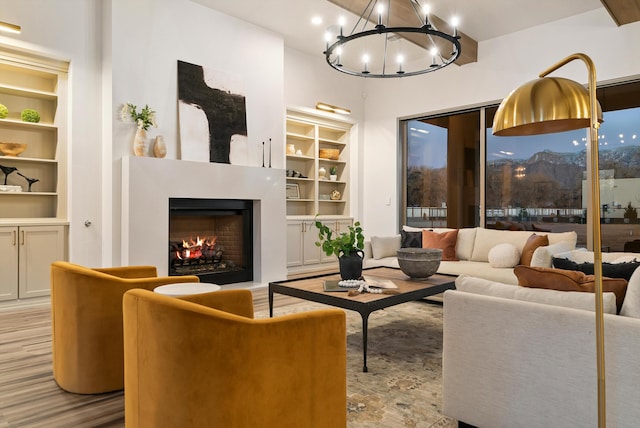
[401, 389]
[403, 386]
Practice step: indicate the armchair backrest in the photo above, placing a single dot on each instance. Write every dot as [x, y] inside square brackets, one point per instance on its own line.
[191, 365]
[86, 312]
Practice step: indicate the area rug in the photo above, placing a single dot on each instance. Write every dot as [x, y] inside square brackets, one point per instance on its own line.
[401, 389]
[403, 386]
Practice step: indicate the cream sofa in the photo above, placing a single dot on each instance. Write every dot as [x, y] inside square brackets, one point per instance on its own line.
[473, 247]
[519, 357]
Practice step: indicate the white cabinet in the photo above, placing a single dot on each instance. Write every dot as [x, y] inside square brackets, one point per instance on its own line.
[302, 252]
[27, 254]
[301, 243]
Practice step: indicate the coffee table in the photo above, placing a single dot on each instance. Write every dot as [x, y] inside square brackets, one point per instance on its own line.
[409, 289]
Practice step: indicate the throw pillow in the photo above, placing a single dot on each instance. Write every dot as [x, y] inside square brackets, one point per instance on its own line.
[542, 255]
[410, 239]
[568, 280]
[504, 256]
[445, 241]
[610, 270]
[384, 246]
[569, 299]
[631, 304]
[530, 246]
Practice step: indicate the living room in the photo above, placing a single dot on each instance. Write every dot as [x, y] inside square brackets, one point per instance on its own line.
[111, 66]
[121, 51]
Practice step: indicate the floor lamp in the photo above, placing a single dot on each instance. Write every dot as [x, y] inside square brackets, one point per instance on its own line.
[554, 104]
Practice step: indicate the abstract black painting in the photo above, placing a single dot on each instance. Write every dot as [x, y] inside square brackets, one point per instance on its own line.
[213, 116]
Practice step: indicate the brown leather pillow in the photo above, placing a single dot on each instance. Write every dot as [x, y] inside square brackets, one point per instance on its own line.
[445, 241]
[568, 280]
[533, 242]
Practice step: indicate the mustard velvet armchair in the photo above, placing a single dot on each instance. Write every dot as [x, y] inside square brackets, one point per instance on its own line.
[86, 311]
[207, 363]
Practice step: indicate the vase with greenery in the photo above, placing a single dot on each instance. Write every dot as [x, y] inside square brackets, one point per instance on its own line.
[347, 246]
[143, 119]
[333, 173]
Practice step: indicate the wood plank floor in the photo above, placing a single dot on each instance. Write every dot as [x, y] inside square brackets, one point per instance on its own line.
[30, 398]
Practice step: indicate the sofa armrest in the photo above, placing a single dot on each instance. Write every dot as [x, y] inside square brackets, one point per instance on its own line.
[512, 363]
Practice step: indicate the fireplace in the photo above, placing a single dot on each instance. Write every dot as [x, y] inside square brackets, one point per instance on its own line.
[211, 238]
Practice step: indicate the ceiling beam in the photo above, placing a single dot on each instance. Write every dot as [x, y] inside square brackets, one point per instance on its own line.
[623, 11]
[403, 15]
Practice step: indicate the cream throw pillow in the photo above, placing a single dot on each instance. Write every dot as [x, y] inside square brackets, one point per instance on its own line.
[385, 246]
[504, 256]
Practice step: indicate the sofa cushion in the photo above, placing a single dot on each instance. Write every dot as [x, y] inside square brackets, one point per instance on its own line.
[568, 280]
[486, 239]
[445, 241]
[631, 304]
[542, 255]
[384, 246]
[533, 242]
[504, 256]
[410, 239]
[570, 299]
[610, 270]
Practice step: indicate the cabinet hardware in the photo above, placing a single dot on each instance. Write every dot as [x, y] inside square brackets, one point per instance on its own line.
[14, 238]
[22, 231]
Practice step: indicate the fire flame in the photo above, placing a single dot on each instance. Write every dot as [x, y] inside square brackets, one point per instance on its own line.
[192, 249]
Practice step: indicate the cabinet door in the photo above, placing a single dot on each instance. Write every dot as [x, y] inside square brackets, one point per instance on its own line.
[310, 251]
[8, 263]
[39, 246]
[294, 243]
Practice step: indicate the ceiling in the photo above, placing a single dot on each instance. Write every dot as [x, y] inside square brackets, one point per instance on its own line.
[479, 19]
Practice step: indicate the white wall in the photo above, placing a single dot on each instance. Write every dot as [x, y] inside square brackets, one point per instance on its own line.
[70, 30]
[503, 64]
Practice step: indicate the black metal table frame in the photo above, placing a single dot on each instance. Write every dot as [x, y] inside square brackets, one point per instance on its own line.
[363, 308]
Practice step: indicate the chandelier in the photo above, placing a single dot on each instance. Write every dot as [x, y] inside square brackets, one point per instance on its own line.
[375, 48]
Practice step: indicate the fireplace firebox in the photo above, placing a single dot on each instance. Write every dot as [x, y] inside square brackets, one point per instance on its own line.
[211, 238]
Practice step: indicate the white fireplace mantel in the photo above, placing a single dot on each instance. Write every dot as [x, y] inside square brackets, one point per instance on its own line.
[148, 183]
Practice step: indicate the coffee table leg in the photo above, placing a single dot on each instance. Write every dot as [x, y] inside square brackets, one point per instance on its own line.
[270, 302]
[365, 329]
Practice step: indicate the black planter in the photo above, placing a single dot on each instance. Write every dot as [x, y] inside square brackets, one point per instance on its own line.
[351, 265]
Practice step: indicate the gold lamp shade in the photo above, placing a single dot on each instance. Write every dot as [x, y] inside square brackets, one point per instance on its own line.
[543, 106]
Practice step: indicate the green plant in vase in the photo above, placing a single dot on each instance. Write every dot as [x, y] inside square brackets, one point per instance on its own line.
[347, 246]
[333, 173]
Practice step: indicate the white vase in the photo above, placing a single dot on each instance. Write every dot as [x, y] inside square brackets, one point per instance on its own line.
[333, 177]
[139, 142]
[159, 147]
[322, 172]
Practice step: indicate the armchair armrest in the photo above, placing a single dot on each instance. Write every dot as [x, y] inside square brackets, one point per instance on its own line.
[130, 271]
[238, 302]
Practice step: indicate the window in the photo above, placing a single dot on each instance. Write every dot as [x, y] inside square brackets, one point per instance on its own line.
[441, 171]
[535, 182]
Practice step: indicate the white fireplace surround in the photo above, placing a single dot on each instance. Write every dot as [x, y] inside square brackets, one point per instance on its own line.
[148, 183]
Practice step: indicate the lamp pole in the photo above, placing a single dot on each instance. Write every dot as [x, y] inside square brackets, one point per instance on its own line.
[593, 176]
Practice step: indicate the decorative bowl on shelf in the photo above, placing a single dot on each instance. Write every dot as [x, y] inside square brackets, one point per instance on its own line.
[331, 154]
[12, 149]
[419, 262]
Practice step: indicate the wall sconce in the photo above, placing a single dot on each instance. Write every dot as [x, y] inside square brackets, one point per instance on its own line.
[332, 109]
[10, 28]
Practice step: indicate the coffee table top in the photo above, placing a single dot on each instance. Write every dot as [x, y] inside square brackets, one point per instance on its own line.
[409, 289]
